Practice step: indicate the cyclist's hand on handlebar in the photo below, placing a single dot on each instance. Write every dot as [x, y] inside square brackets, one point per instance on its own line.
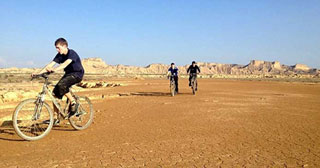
[34, 74]
[50, 70]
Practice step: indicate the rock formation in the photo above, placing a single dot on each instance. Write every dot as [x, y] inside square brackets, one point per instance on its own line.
[301, 67]
[255, 67]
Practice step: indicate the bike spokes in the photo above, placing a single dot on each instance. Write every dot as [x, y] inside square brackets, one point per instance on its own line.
[84, 115]
[29, 120]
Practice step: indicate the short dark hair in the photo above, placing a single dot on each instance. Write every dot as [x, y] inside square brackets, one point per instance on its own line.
[193, 62]
[61, 41]
[172, 63]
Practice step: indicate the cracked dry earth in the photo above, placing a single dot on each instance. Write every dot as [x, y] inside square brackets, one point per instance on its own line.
[227, 124]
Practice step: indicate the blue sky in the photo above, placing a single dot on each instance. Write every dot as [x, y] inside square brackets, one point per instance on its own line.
[141, 32]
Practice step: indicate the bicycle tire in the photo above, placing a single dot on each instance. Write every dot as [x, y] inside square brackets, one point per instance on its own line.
[193, 86]
[172, 88]
[15, 120]
[73, 119]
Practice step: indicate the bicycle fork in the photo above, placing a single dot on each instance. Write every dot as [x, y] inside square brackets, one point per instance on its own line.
[38, 107]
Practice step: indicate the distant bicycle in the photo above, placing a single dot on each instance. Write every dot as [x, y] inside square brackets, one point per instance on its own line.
[33, 118]
[194, 83]
[172, 86]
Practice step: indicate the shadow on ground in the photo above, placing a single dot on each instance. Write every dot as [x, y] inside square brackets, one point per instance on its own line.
[63, 127]
[150, 94]
[156, 94]
[7, 132]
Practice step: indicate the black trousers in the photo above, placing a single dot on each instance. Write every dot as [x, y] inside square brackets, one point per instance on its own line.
[62, 87]
[176, 82]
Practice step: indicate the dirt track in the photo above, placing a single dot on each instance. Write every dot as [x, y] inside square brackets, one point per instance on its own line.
[228, 124]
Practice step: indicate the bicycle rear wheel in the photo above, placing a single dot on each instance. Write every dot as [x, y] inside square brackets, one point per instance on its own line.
[32, 120]
[84, 115]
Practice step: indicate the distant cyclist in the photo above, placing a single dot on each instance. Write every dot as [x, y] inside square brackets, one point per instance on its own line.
[173, 70]
[193, 70]
[70, 62]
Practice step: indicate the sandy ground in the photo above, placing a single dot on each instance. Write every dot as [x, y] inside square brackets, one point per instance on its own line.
[227, 124]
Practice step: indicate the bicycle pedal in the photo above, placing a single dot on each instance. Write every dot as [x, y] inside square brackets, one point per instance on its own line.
[55, 122]
[79, 114]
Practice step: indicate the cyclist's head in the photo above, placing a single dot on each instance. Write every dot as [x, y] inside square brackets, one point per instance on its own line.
[193, 63]
[172, 64]
[61, 45]
[61, 41]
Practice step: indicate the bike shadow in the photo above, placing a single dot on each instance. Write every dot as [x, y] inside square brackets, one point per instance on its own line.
[157, 94]
[7, 132]
[63, 127]
[184, 93]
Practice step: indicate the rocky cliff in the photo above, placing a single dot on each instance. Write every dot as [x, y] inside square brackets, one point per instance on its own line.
[255, 68]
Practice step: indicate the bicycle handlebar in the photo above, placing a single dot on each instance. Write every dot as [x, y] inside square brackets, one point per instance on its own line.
[43, 75]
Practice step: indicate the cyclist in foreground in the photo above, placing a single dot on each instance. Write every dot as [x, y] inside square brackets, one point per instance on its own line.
[173, 70]
[193, 70]
[70, 62]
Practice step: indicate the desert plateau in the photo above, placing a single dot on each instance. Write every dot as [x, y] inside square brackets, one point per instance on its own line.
[267, 118]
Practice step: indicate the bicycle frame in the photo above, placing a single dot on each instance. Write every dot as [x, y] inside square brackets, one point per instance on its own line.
[172, 85]
[194, 83]
[41, 98]
[172, 81]
[171, 78]
[194, 78]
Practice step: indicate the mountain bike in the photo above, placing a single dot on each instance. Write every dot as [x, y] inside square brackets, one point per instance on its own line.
[194, 83]
[33, 118]
[172, 86]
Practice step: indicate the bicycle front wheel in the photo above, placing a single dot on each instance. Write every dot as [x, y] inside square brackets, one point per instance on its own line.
[193, 87]
[84, 115]
[172, 88]
[32, 120]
